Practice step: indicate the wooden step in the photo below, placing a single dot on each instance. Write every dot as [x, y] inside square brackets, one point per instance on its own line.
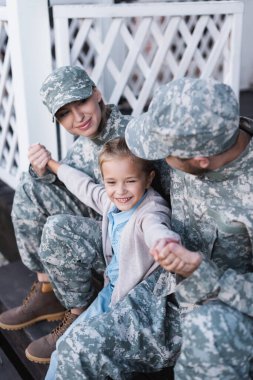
[8, 245]
[7, 370]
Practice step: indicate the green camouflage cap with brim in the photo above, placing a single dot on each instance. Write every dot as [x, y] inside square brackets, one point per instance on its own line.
[65, 85]
[187, 118]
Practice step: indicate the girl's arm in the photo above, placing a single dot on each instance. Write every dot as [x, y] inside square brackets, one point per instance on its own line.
[53, 166]
[81, 185]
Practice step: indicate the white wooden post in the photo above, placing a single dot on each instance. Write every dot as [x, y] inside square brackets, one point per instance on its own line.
[30, 47]
[247, 47]
[236, 43]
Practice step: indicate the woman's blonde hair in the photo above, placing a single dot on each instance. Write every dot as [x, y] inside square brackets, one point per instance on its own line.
[118, 148]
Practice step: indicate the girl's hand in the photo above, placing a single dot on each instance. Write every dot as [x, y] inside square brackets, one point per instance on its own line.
[159, 245]
[175, 258]
[39, 156]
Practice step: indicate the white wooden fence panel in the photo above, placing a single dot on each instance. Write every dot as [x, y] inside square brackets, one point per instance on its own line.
[9, 168]
[157, 42]
[128, 49]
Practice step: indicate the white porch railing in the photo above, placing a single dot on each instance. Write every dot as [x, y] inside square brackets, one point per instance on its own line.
[128, 49]
[9, 157]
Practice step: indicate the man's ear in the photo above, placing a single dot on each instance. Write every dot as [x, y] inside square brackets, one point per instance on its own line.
[202, 162]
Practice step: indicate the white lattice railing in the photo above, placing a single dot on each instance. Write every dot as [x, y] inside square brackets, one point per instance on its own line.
[9, 156]
[129, 49]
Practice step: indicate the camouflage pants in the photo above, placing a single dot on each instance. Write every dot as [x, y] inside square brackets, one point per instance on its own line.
[70, 248]
[54, 234]
[217, 344]
[140, 334]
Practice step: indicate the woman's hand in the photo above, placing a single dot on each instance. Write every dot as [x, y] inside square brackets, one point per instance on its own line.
[39, 156]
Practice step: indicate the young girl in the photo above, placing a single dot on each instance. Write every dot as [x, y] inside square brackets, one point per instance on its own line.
[49, 220]
[56, 230]
[135, 217]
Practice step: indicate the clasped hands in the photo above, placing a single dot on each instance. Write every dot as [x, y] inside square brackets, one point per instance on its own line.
[173, 257]
[39, 156]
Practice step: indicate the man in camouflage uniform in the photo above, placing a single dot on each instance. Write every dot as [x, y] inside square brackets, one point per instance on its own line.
[56, 233]
[194, 124]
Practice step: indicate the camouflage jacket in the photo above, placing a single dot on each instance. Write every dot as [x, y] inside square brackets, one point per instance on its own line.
[213, 213]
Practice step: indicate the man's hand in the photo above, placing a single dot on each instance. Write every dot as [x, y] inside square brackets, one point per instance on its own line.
[175, 258]
[39, 156]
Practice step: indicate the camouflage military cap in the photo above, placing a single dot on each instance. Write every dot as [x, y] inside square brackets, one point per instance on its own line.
[186, 118]
[65, 85]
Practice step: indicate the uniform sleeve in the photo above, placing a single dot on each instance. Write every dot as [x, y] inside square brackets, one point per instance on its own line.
[48, 177]
[207, 282]
[83, 187]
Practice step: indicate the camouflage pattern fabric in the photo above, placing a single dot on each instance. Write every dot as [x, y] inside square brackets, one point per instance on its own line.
[179, 111]
[217, 344]
[65, 85]
[133, 336]
[213, 214]
[71, 247]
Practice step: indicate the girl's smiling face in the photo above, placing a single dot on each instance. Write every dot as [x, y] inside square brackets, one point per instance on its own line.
[82, 117]
[125, 181]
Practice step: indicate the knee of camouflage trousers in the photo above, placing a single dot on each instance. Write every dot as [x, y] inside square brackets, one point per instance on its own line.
[217, 344]
[71, 248]
[33, 202]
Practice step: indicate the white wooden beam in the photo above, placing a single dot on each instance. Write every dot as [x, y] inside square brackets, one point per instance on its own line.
[150, 9]
[30, 47]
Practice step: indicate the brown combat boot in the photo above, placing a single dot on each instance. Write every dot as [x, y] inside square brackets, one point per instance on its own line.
[40, 350]
[40, 304]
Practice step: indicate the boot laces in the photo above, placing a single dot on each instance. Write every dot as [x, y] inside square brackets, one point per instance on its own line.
[30, 294]
[65, 323]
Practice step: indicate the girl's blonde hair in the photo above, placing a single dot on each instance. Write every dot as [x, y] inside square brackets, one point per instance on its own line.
[118, 148]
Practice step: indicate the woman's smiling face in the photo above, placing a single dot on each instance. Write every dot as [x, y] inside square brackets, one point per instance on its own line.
[81, 117]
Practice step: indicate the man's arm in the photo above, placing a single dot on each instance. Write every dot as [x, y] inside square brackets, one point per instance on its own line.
[203, 279]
